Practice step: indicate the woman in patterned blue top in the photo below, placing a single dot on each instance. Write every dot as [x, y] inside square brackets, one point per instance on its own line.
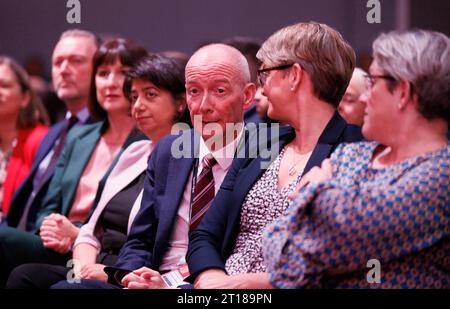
[376, 215]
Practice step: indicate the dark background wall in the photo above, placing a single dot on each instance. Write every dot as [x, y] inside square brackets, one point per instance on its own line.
[29, 27]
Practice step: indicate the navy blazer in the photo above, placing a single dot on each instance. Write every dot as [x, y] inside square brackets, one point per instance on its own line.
[252, 116]
[22, 194]
[165, 181]
[213, 241]
[164, 185]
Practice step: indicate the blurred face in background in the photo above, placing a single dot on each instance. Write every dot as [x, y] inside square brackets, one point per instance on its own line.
[72, 68]
[109, 80]
[12, 99]
[351, 108]
[262, 104]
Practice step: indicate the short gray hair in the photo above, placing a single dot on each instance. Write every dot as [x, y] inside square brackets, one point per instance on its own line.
[320, 50]
[422, 58]
[78, 33]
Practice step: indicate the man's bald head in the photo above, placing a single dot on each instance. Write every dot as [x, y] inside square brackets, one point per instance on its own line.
[218, 89]
[221, 55]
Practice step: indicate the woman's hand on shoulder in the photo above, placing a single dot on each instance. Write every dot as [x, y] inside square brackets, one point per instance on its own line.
[315, 175]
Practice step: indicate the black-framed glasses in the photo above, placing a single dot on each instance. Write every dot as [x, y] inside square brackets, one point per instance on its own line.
[372, 78]
[264, 73]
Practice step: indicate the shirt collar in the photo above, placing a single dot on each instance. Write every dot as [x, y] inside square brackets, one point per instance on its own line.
[82, 115]
[223, 156]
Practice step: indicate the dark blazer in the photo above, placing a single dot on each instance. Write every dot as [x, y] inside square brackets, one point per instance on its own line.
[213, 241]
[165, 181]
[22, 194]
[251, 115]
[164, 185]
[74, 158]
[24, 191]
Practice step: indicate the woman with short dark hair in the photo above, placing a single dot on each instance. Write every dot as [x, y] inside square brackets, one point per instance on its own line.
[89, 154]
[155, 88]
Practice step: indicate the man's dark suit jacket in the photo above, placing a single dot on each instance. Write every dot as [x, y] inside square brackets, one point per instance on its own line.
[164, 185]
[213, 241]
[22, 194]
[165, 181]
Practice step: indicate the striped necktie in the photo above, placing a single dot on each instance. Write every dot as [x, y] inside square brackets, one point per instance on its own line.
[203, 193]
[60, 146]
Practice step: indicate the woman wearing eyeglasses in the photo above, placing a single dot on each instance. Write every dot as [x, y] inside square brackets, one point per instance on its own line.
[305, 71]
[377, 214]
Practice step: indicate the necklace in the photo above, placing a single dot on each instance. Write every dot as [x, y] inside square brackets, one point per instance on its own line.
[293, 168]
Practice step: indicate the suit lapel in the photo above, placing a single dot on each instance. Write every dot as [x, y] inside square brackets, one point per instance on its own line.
[128, 168]
[327, 141]
[79, 157]
[320, 153]
[178, 174]
[248, 176]
[47, 144]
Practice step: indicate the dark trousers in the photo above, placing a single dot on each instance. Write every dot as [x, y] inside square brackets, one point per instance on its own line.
[36, 276]
[18, 247]
[44, 276]
[84, 284]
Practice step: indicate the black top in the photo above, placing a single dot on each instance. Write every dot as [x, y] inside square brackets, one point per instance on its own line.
[113, 221]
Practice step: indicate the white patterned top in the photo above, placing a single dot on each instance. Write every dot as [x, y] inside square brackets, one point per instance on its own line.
[262, 205]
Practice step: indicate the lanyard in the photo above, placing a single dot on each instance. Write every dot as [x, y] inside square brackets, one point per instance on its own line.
[193, 184]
